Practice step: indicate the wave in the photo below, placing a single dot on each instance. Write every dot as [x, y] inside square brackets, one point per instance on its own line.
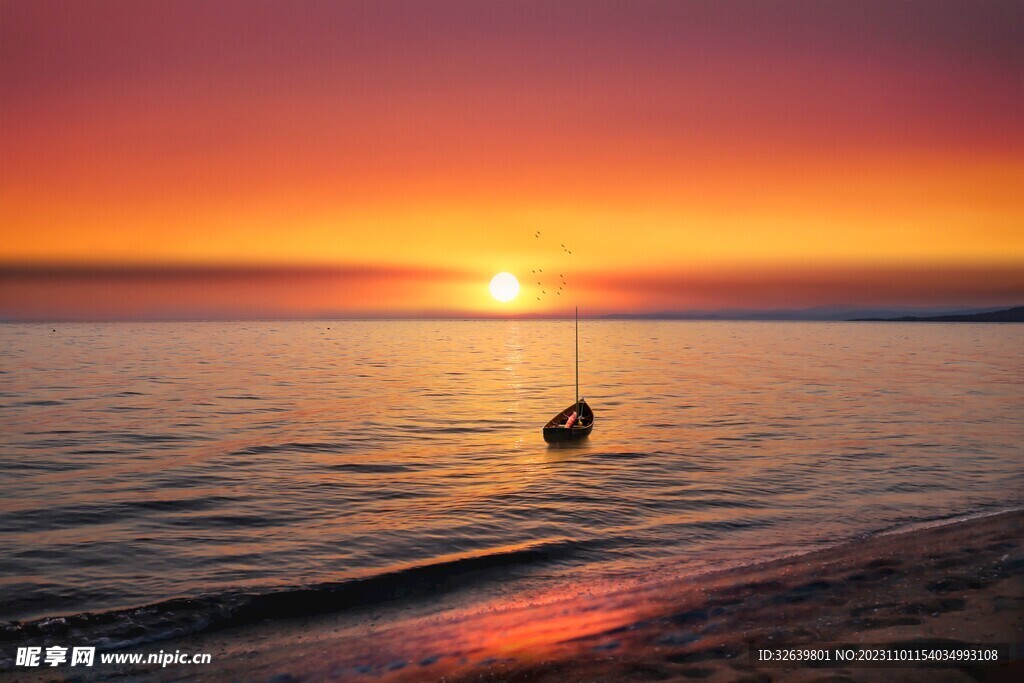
[185, 616]
[295, 446]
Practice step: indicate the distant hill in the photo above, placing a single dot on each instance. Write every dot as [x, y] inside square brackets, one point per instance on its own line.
[836, 313]
[1008, 315]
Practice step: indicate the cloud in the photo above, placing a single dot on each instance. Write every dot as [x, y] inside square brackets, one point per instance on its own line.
[111, 292]
[806, 286]
[104, 291]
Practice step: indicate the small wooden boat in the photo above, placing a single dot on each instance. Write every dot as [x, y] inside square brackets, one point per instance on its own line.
[555, 431]
[558, 430]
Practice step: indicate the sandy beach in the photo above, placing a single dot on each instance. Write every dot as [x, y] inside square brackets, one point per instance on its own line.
[958, 582]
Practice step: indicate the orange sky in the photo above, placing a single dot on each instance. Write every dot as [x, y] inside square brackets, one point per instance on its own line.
[388, 158]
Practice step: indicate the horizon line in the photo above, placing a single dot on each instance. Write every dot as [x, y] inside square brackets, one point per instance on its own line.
[840, 314]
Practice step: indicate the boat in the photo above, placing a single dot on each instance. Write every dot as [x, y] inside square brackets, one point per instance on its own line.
[555, 431]
[558, 429]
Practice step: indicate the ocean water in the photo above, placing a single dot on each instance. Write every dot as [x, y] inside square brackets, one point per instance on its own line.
[166, 478]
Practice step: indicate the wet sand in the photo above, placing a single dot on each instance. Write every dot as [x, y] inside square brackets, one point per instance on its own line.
[957, 584]
[960, 582]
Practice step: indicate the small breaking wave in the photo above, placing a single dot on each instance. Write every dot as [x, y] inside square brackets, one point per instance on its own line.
[185, 616]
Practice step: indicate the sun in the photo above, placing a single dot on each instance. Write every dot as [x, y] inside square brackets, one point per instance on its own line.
[504, 286]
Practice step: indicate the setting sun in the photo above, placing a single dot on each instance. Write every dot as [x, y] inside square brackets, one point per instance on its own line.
[504, 287]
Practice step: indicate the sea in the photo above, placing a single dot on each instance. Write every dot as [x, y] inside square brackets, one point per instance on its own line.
[170, 478]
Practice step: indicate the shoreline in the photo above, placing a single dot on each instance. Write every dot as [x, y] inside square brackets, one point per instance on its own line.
[957, 581]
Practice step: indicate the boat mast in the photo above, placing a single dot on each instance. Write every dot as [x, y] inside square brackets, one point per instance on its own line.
[579, 416]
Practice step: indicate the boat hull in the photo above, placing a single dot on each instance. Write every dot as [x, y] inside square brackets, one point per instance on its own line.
[555, 430]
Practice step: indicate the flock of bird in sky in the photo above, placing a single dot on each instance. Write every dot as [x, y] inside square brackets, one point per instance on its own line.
[539, 274]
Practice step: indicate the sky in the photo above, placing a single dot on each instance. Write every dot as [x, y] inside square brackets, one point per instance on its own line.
[253, 159]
